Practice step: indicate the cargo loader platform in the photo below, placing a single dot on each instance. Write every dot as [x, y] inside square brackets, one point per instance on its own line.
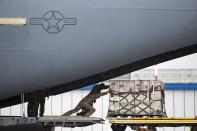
[120, 124]
[157, 122]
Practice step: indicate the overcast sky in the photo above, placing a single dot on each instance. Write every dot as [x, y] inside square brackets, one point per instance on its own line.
[186, 62]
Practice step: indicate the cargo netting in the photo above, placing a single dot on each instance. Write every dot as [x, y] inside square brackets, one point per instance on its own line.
[136, 98]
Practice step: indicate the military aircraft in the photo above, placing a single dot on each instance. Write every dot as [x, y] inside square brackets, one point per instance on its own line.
[63, 45]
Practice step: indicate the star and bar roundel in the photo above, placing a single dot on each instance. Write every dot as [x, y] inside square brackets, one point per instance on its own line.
[53, 21]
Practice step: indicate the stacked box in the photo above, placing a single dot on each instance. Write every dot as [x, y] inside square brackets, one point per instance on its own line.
[136, 98]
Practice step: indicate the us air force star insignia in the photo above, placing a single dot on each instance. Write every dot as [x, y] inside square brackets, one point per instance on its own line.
[53, 21]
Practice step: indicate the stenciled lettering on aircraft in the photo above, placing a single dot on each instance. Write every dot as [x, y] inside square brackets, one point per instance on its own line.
[53, 21]
[13, 21]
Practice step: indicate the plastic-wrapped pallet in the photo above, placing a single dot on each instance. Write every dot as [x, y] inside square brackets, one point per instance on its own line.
[136, 98]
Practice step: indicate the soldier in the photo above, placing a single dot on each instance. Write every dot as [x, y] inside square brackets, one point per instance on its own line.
[86, 104]
[35, 99]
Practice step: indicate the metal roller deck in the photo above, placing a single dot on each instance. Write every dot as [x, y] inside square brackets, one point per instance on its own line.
[157, 122]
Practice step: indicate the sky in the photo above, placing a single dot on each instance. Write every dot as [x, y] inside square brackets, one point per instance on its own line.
[186, 62]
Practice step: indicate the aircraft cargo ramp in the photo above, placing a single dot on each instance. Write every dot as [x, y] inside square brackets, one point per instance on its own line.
[47, 123]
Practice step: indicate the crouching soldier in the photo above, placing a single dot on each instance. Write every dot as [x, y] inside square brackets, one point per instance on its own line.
[86, 104]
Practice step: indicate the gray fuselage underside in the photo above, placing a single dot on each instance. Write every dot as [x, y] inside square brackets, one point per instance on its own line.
[107, 34]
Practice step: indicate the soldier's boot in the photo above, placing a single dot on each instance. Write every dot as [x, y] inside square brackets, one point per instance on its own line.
[90, 112]
[82, 113]
[76, 109]
[70, 112]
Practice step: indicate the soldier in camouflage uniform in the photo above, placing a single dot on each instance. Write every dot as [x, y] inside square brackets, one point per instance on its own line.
[86, 104]
[36, 99]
